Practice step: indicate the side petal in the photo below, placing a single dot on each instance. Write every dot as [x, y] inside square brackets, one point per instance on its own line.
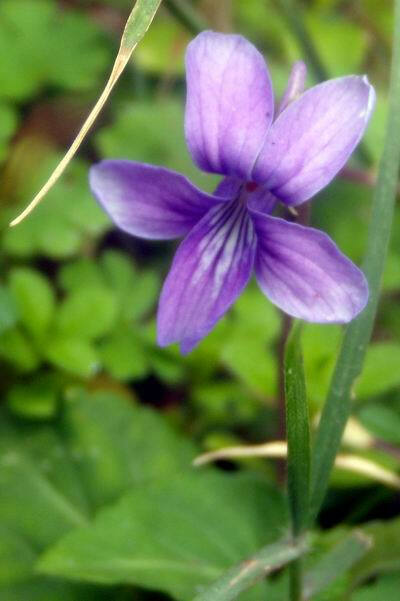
[229, 105]
[303, 272]
[210, 269]
[148, 201]
[313, 137]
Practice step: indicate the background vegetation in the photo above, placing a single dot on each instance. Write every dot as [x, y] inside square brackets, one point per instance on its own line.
[98, 426]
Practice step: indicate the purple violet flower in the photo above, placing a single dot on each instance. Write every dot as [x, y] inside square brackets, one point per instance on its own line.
[230, 130]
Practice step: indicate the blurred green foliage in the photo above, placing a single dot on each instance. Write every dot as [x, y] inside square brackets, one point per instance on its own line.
[98, 425]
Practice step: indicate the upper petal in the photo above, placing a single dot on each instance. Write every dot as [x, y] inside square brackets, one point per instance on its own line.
[148, 201]
[302, 271]
[295, 85]
[313, 137]
[210, 269]
[229, 105]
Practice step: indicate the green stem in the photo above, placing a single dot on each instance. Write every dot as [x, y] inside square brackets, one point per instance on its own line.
[298, 438]
[349, 364]
[298, 433]
[187, 15]
[296, 580]
[292, 14]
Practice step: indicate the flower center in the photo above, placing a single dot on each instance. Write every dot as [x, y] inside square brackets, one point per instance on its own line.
[251, 186]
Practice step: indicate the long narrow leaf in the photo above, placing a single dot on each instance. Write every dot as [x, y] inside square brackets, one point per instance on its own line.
[249, 572]
[138, 23]
[335, 563]
[338, 404]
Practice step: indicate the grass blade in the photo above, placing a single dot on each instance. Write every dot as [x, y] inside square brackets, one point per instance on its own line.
[138, 23]
[335, 563]
[338, 404]
[249, 572]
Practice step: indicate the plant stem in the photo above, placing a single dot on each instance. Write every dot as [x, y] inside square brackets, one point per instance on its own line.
[286, 322]
[298, 459]
[295, 580]
[187, 15]
[349, 364]
[298, 432]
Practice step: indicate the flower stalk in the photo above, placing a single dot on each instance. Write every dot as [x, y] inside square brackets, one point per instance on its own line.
[298, 449]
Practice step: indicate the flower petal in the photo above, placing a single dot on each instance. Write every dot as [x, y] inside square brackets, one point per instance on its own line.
[295, 86]
[257, 196]
[148, 201]
[229, 105]
[301, 270]
[313, 137]
[210, 269]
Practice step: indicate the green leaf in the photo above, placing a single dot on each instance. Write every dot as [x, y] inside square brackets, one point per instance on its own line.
[298, 432]
[152, 132]
[119, 272]
[72, 274]
[40, 498]
[336, 562]
[8, 309]
[166, 364]
[325, 29]
[137, 291]
[88, 312]
[8, 124]
[74, 355]
[46, 235]
[16, 557]
[162, 50]
[320, 346]
[36, 399]
[380, 373]
[53, 476]
[386, 588]
[118, 445]
[350, 361]
[47, 589]
[224, 403]
[124, 356]
[34, 298]
[242, 577]
[47, 47]
[253, 318]
[17, 349]
[375, 134]
[256, 368]
[382, 421]
[384, 554]
[173, 536]
[143, 295]
[70, 218]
